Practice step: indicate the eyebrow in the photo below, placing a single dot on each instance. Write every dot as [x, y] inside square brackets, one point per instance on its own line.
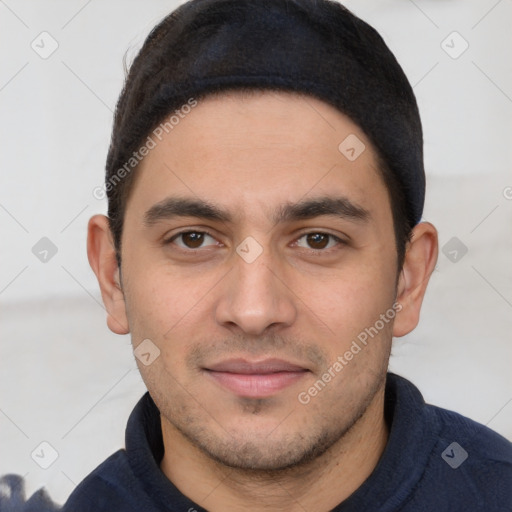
[340, 207]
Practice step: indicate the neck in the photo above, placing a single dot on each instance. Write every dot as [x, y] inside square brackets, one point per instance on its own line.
[320, 485]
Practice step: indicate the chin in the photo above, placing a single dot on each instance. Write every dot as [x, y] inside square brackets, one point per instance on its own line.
[261, 453]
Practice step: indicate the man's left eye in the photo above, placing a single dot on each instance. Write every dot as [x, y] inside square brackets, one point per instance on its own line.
[319, 241]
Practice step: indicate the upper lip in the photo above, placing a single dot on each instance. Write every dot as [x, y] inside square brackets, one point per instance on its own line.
[243, 366]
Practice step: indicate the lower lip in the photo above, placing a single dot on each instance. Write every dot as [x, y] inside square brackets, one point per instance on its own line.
[256, 385]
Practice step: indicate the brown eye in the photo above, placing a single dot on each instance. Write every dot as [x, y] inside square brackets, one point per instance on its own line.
[191, 239]
[319, 241]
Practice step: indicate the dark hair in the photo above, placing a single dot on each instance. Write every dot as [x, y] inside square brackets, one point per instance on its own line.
[316, 47]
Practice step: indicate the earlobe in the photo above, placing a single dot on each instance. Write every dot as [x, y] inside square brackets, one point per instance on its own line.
[102, 258]
[419, 263]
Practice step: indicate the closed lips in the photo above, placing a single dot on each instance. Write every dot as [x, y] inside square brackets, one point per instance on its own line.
[251, 379]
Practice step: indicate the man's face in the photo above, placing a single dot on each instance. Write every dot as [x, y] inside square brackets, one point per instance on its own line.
[250, 310]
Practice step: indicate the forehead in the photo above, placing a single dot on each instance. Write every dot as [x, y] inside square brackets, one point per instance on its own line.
[252, 149]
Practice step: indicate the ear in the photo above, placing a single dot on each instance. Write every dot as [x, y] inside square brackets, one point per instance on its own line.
[419, 263]
[102, 258]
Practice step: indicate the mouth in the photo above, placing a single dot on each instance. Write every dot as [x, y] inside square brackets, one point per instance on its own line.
[255, 379]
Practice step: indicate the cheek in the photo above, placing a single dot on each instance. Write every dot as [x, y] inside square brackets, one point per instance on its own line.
[350, 300]
[155, 304]
[169, 308]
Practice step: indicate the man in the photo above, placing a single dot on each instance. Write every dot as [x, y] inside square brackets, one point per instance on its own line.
[262, 247]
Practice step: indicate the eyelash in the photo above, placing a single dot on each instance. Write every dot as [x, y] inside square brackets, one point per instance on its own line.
[331, 236]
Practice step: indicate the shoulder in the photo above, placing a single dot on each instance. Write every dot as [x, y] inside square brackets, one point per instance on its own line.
[484, 443]
[470, 464]
[448, 426]
[453, 462]
[111, 486]
[470, 445]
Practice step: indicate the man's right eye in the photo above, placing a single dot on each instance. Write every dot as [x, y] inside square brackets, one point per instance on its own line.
[191, 239]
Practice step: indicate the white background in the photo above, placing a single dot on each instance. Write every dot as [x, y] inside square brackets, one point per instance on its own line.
[66, 380]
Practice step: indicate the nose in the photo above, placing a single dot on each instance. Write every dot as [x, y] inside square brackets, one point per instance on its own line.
[256, 296]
